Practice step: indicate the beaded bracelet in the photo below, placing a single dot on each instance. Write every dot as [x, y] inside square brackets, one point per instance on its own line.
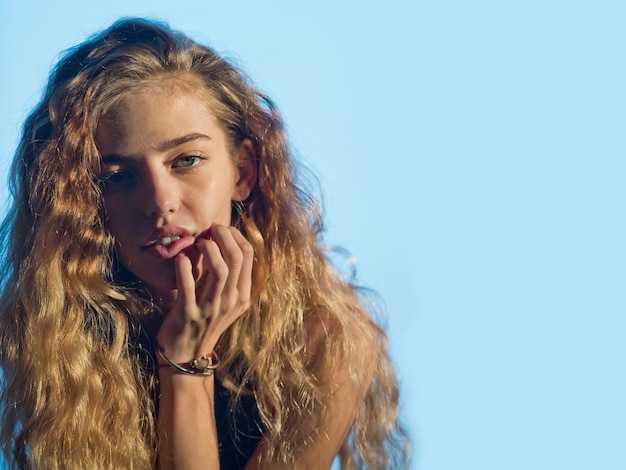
[204, 365]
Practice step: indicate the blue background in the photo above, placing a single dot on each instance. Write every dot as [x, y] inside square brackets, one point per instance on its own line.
[472, 160]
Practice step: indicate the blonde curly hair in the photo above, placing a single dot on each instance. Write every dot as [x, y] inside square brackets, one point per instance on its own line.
[74, 393]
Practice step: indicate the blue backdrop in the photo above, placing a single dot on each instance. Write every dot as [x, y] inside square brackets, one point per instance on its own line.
[472, 160]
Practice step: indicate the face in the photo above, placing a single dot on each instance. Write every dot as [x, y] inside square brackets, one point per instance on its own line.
[168, 174]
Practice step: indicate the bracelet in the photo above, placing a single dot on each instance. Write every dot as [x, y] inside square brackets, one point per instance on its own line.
[204, 365]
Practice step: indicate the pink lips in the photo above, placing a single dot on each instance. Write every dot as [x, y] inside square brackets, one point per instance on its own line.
[182, 239]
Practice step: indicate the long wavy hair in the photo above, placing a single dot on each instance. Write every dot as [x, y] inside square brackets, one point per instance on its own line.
[74, 394]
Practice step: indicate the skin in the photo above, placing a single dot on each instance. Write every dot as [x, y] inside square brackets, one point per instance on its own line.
[167, 166]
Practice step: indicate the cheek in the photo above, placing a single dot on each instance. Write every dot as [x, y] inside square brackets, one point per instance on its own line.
[211, 204]
[115, 218]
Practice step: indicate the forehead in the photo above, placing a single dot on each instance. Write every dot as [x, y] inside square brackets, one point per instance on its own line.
[156, 113]
[168, 85]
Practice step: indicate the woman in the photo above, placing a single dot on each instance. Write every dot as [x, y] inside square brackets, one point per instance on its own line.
[166, 302]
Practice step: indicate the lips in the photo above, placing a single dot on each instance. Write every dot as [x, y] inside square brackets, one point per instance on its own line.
[167, 241]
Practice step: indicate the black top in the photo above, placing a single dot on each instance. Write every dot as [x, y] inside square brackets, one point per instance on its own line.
[239, 426]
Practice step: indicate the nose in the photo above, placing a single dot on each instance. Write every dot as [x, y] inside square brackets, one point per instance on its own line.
[158, 194]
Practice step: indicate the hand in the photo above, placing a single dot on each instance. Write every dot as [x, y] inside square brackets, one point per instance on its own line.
[206, 305]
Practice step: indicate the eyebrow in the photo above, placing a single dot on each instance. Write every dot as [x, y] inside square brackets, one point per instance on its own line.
[162, 147]
[172, 143]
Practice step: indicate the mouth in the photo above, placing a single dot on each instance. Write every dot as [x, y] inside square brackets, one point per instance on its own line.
[165, 241]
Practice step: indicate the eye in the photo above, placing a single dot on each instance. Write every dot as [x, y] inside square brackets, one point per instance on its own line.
[187, 161]
[115, 178]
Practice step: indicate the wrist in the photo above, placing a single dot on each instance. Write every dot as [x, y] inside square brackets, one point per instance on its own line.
[204, 365]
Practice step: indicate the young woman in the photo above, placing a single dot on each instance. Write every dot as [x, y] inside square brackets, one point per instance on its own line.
[165, 300]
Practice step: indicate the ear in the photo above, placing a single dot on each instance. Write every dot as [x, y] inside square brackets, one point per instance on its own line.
[246, 171]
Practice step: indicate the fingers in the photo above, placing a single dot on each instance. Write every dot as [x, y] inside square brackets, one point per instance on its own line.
[227, 261]
[214, 268]
[185, 283]
[214, 282]
[244, 282]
